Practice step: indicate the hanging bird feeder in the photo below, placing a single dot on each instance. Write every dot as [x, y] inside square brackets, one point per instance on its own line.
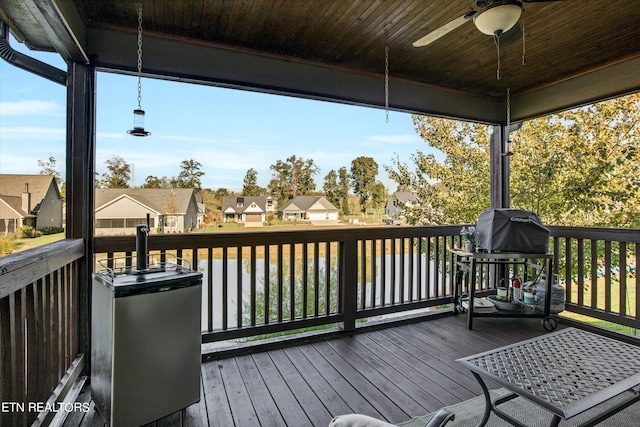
[138, 113]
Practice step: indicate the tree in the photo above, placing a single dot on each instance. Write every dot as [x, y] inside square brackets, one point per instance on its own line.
[119, 173]
[48, 167]
[292, 178]
[251, 187]
[379, 196]
[331, 188]
[577, 167]
[190, 175]
[453, 188]
[363, 177]
[580, 167]
[343, 190]
[155, 182]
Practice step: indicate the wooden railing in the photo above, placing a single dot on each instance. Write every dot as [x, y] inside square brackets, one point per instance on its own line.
[38, 328]
[599, 269]
[272, 281]
[265, 282]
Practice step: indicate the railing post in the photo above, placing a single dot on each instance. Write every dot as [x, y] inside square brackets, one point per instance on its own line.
[349, 281]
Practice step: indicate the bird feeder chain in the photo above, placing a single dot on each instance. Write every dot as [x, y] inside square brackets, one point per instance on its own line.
[524, 50]
[139, 56]
[508, 108]
[508, 152]
[496, 37]
[386, 82]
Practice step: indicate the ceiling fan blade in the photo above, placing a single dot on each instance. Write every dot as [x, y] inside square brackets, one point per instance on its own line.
[445, 29]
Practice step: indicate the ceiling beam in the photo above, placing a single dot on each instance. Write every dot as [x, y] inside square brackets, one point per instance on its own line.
[62, 23]
[616, 80]
[235, 68]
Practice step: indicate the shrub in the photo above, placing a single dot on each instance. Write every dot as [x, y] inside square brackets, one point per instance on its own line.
[6, 245]
[28, 232]
[51, 230]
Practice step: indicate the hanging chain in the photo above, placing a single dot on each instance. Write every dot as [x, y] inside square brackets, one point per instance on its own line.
[139, 56]
[508, 109]
[496, 37]
[524, 49]
[386, 82]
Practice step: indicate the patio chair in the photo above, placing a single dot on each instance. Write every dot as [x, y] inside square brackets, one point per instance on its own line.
[440, 419]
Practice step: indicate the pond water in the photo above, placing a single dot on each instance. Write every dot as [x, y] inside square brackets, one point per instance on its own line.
[245, 283]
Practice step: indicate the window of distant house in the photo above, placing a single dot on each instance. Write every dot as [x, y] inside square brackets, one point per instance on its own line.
[172, 221]
[134, 222]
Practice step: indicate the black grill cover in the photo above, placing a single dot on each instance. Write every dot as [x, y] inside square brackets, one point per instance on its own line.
[511, 230]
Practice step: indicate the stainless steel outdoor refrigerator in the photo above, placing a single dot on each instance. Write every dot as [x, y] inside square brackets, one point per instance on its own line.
[145, 339]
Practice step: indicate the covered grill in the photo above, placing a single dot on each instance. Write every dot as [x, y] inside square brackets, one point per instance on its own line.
[511, 230]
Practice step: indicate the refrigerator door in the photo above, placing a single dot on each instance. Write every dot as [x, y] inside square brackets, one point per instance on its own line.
[145, 345]
[156, 343]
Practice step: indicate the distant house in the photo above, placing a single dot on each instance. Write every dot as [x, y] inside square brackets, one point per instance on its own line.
[32, 200]
[120, 210]
[251, 211]
[399, 201]
[316, 209]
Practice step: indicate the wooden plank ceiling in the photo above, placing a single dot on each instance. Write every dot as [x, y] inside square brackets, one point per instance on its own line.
[564, 40]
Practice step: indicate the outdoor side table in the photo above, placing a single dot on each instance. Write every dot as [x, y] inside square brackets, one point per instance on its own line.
[472, 264]
[566, 372]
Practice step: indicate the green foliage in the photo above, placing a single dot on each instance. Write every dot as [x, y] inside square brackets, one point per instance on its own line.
[331, 189]
[118, 175]
[154, 182]
[6, 244]
[576, 168]
[28, 232]
[269, 306]
[292, 178]
[573, 168]
[581, 167]
[363, 178]
[51, 230]
[190, 175]
[453, 187]
[251, 187]
[379, 196]
[343, 190]
[48, 167]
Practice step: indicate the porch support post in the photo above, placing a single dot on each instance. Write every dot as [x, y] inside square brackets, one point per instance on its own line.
[80, 186]
[499, 168]
[349, 281]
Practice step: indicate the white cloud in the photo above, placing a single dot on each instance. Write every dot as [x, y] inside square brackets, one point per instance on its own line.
[396, 139]
[110, 135]
[30, 107]
[33, 133]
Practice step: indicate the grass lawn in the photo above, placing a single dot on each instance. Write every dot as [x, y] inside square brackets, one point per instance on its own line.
[24, 244]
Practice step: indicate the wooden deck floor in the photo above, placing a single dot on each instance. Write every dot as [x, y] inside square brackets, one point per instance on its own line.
[392, 374]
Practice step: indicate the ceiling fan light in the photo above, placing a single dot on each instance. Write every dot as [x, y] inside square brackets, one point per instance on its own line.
[498, 17]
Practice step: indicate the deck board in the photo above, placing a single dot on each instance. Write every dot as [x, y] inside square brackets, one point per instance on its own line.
[392, 373]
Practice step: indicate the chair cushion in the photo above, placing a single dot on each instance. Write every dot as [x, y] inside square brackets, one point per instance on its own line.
[358, 420]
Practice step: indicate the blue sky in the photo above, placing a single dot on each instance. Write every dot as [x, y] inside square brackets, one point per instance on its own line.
[227, 131]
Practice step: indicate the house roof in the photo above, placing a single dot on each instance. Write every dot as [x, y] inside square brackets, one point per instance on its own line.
[14, 185]
[405, 196]
[577, 51]
[239, 204]
[157, 199]
[307, 203]
[15, 204]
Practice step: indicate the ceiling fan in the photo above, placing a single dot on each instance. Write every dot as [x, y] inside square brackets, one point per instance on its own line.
[493, 17]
